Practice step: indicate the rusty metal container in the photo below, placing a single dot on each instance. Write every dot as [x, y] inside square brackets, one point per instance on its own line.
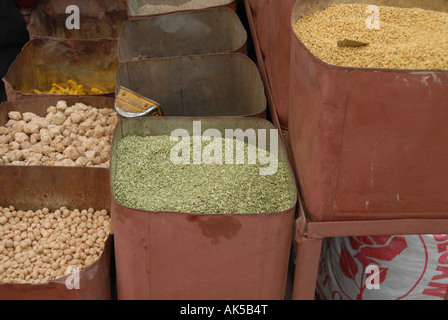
[41, 62]
[177, 255]
[33, 188]
[224, 84]
[368, 144]
[99, 19]
[271, 21]
[216, 30]
[146, 8]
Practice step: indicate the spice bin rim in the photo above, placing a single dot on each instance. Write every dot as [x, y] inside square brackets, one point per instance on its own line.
[296, 15]
[282, 156]
[242, 32]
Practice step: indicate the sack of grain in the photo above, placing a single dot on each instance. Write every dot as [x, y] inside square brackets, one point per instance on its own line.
[411, 267]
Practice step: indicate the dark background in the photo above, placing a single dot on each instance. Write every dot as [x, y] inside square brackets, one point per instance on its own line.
[13, 36]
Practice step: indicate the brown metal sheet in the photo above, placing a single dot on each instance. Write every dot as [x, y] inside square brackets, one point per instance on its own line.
[261, 22]
[99, 19]
[251, 17]
[133, 7]
[175, 256]
[262, 68]
[41, 62]
[252, 10]
[216, 30]
[271, 23]
[368, 143]
[32, 188]
[224, 84]
[253, 6]
[277, 57]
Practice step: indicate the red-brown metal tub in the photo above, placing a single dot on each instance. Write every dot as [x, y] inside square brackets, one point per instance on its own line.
[178, 256]
[368, 144]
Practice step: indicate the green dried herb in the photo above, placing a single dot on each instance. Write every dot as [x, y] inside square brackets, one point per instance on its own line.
[147, 179]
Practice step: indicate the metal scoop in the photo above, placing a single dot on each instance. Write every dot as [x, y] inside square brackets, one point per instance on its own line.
[130, 104]
[344, 43]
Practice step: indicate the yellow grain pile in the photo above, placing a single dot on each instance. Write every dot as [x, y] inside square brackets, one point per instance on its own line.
[410, 39]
